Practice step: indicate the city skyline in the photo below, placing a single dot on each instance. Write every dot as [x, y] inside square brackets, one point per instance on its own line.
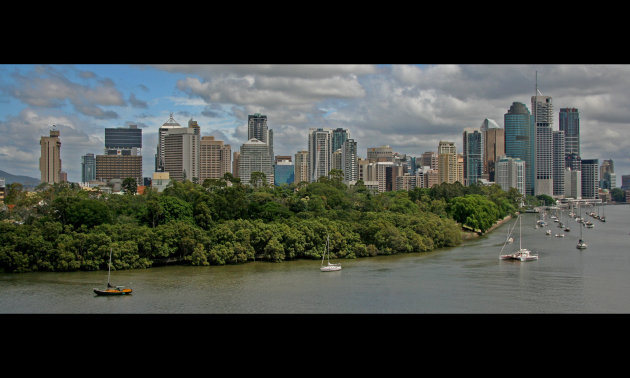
[408, 107]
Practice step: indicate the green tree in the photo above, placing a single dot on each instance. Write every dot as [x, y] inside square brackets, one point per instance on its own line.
[129, 185]
[618, 195]
[474, 211]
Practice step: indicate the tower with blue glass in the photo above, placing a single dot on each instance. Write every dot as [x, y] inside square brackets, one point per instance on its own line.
[519, 140]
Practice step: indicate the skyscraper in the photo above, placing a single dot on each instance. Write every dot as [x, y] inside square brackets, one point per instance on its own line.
[159, 156]
[608, 178]
[572, 183]
[473, 156]
[50, 159]
[88, 168]
[254, 157]
[542, 108]
[511, 173]
[447, 162]
[301, 167]
[181, 153]
[120, 167]
[349, 160]
[494, 147]
[569, 123]
[258, 129]
[215, 158]
[519, 140]
[339, 136]
[123, 140]
[319, 153]
[590, 178]
[558, 163]
[430, 159]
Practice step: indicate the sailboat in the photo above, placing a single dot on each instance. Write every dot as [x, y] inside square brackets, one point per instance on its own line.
[523, 254]
[112, 290]
[329, 267]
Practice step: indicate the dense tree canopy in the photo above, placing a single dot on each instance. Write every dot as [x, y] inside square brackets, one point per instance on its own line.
[63, 228]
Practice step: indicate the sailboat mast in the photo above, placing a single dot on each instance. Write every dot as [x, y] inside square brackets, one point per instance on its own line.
[520, 222]
[109, 266]
[328, 248]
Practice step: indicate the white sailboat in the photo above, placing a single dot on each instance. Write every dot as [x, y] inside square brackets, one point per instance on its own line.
[523, 254]
[329, 267]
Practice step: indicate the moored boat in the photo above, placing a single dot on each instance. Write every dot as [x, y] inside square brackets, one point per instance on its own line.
[523, 254]
[112, 290]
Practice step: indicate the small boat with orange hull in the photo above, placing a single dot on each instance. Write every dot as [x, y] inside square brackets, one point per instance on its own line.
[112, 290]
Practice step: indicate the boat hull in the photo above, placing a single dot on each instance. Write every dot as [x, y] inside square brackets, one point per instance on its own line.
[522, 255]
[330, 268]
[112, 291]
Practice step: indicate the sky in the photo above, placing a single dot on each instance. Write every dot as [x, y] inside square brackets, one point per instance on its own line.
[410, 107]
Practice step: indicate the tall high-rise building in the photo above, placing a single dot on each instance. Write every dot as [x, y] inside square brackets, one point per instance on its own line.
[349, 160]
[335, 162]
[494, 148]
[558, 163]
[473, 156]
[319, 153]
[542, 111]
[511, 173]
[301, 167]
[215, 158]
[181, 153]
[447, 162]
[258, 129]
[254, 157]
[50, 159]
[569, 123]
[111, 167]
[572, 183]
[590, 178]
[573, 161]
[123, 140]
[339, 136]
[519, 140]
[88, 168]
[608, 178]
[429, 159]
[159, 156]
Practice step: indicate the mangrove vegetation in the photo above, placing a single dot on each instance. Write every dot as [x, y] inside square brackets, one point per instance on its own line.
[63, 228]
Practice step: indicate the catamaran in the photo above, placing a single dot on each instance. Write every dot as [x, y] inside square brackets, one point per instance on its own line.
[523, 254]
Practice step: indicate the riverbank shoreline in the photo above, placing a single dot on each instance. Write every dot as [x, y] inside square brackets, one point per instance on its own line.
[470, 235]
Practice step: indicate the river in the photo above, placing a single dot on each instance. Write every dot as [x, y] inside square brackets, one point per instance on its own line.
[468, 279]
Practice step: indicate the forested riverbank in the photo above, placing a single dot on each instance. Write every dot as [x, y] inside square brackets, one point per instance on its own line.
[63, 228]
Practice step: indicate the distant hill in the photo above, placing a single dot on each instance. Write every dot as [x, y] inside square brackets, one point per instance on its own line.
[24, 180]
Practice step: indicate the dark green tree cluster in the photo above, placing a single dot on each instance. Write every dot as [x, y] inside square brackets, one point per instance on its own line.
[63, 228]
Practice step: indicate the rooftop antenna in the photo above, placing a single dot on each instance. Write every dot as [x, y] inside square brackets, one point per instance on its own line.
[537, 91]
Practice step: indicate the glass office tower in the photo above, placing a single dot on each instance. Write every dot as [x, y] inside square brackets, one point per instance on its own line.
[519, 140]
